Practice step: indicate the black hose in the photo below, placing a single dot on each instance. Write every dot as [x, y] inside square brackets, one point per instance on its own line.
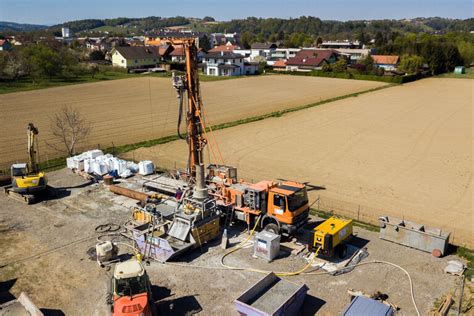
[180, 115]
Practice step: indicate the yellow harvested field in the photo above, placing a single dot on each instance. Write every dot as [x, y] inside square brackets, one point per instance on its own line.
[405, 151]
[137, 109]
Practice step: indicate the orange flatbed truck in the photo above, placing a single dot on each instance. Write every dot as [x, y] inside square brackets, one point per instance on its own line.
[283, 205]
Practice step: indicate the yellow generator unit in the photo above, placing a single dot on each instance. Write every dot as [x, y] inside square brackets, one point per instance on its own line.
[331, 235]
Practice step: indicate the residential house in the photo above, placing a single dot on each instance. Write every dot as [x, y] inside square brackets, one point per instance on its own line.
[133, 57]
[353, 54]
[341, 44]
[165, 52]
[387, 62]
[279, 65]
[282, 54]
[263, 50]
[178, 55]
[217, 39]
[66, 32]
[227, 64]
[228, 47]
[5, 45]
[244, 52]
[310, 59]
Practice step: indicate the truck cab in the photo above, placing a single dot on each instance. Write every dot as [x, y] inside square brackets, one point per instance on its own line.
[287, 207]
[131, 290]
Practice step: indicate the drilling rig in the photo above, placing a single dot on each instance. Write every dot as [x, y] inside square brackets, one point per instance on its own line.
[196, 219]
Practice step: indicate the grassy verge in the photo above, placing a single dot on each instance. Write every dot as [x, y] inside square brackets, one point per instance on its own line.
[363, 225]
[353, 76]
[26, 84]
[469, 256]
[468, 75]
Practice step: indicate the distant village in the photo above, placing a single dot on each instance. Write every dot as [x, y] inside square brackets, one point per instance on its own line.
[224, 55]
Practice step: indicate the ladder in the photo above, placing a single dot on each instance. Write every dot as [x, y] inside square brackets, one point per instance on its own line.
[229, 217]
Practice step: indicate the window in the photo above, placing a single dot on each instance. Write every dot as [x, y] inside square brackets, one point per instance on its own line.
[154, 59]
[19, 172]
[123, 61]
[136, 61]
[279, 201]
[297, 199]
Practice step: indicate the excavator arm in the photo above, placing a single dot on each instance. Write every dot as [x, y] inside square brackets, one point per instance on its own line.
[32, 158]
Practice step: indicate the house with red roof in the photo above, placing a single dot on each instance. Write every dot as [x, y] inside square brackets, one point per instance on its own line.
[5, 45]
[229, 47]
[310, 59]
[387, 62]
[178, 55]
[279, 65]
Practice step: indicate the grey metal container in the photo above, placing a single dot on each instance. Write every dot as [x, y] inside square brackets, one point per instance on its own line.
[266, 245]
[413, 235]
[271, 296]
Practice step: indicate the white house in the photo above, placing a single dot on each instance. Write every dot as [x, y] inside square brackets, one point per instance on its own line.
[341, 44]
[282, 54]
[217, 39]
[244, 52]
[132, 57]
[263, 50]
[354, 54]
[66, 32]
[227, 64]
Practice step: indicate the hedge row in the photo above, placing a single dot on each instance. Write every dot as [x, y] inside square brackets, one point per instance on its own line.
[349, 75]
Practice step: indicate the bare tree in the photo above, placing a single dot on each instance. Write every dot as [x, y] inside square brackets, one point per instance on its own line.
[69, 128]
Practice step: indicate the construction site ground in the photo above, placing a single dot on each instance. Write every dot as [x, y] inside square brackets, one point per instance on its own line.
[45, 252]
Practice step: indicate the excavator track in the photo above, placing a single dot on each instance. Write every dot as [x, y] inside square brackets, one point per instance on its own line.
[25, 198]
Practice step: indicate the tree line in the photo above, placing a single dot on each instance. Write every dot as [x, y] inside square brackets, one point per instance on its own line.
[268, 29]
[145, 24]
[41, 61]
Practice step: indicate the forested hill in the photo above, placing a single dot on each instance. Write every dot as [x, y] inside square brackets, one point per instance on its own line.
[19, 27]
[275, 28]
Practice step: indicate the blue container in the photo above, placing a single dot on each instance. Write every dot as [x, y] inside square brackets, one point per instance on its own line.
[362, 305]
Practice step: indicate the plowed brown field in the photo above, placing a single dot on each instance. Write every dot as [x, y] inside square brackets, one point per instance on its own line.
[132, 110]
[405, 151]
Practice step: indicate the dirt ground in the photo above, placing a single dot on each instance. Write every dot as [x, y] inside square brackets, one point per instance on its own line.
[405, 151]
[137, 109]
[44, 253]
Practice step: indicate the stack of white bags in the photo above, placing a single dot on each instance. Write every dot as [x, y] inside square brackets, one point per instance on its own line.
[94, 161]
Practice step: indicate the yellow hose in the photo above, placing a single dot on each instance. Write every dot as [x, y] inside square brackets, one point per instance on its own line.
[240, 246]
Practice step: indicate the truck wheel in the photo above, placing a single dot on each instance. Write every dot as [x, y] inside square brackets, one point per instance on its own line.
[342, 251]
[273, 228]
